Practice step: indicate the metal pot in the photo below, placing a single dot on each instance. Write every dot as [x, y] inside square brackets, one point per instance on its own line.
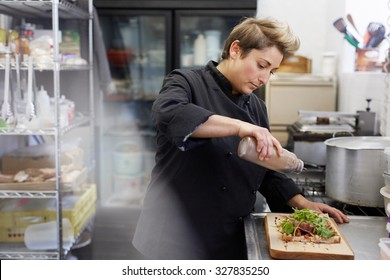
[354, 169]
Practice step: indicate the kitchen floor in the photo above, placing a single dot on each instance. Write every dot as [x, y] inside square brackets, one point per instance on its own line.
[111, 234]
[112, 231]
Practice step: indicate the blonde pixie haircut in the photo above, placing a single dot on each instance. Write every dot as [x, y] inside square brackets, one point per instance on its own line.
[259, 34]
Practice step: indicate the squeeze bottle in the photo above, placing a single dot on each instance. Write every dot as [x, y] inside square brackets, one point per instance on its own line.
[43, 104]
[287, 162]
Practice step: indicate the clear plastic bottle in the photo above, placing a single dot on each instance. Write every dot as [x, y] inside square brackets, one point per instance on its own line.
[200, 50]
[43, 106]
[287, 162]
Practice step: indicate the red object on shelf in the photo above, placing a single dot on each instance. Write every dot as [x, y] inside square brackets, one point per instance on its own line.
[120, 57]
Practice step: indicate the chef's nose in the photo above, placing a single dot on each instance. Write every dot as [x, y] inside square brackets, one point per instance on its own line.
[263, 78]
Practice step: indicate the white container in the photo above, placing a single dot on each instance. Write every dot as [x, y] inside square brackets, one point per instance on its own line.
[384, 245]
[44, 236]
[43, 103]
[44, 109]
[213, 38]
[128, 159]
[129, 186]
[200, 58]
[387, 153]
[386, 199]
[329, 64]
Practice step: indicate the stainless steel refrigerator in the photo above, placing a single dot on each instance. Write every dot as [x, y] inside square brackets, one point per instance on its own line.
[144, 41]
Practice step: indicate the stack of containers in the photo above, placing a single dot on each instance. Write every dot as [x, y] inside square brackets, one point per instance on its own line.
[128, 169]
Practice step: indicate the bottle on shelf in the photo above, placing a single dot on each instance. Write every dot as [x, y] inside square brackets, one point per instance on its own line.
[43, 107]
[200, 50]
[287, 162]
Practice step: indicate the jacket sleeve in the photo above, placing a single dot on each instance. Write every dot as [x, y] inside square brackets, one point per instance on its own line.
[277, 189]
[174, 113]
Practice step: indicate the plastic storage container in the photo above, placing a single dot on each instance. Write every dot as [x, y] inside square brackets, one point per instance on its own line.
[44, 236]
[128, 159]
[129, 186]
[384, 245]
[287, 162]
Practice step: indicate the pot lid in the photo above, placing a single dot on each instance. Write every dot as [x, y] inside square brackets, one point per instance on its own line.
[360, 143]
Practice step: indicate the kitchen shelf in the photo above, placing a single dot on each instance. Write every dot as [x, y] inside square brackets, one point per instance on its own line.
[41, 8]
[79, 121]
[20, 252]
[27, 194]
[49, 67]
[41, 189]
[82, 214]
[55, 10]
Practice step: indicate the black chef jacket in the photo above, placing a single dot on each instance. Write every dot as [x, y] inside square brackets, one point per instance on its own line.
[200, 189]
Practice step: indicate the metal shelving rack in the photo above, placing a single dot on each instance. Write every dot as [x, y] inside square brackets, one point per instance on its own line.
[56, 10]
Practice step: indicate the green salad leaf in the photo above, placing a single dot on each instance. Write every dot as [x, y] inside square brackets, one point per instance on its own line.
[319, 222]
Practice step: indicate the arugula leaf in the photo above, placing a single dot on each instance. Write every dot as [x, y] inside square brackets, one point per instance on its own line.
[320, 222]
[287, 227]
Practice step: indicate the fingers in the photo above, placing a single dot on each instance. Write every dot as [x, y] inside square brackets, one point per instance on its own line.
[339, 216]
[265, 145]
[277, 146]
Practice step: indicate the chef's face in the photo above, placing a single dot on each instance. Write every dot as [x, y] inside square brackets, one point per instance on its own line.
[254, 70]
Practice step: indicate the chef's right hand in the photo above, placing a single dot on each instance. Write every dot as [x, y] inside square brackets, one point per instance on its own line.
[266, 143]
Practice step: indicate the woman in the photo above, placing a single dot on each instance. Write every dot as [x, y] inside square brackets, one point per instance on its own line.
[200, 189]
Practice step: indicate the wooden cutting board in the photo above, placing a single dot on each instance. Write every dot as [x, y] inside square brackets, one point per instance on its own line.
[280, 249]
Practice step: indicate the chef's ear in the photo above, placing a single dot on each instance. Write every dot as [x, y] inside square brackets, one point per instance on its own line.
[235, 49]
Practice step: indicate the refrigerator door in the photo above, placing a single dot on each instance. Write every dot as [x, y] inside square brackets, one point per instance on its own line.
[137, 44]
[200, 35]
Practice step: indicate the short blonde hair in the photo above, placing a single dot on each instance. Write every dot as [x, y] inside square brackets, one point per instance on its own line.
[259, 34]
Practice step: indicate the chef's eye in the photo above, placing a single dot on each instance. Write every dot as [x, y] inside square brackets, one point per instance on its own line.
[261, 66]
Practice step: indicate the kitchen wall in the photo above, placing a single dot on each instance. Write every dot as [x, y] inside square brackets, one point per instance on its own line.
[313, 22]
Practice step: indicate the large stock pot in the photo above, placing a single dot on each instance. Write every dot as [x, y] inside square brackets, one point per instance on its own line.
[354, 169]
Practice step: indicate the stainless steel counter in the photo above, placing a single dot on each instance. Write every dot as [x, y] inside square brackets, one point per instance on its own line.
[362, 234]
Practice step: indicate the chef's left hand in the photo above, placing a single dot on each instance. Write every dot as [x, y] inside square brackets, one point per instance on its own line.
[301, 202]
[335, 213]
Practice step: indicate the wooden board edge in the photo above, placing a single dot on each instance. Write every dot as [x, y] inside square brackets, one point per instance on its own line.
[343, 237]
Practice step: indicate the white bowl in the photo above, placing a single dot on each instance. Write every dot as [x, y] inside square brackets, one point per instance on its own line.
[386, 198]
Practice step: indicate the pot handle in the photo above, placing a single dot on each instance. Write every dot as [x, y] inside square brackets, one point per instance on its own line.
[345, 132]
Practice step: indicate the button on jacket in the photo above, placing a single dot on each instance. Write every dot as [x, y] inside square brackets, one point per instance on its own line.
[200, 189]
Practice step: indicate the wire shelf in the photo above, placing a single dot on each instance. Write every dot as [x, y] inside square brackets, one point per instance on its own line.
[41, 8]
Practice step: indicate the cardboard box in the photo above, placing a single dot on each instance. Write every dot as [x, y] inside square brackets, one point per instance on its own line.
[40, 156]
[17, 214]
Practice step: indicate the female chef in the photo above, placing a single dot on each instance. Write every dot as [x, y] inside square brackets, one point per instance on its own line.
[201, 190]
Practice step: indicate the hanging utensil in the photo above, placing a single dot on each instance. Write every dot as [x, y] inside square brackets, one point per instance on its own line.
[352, 22]
[350, 34]
[18, 93]
[30, 108]
[6, 112]
[373, 28]
[377, 34]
